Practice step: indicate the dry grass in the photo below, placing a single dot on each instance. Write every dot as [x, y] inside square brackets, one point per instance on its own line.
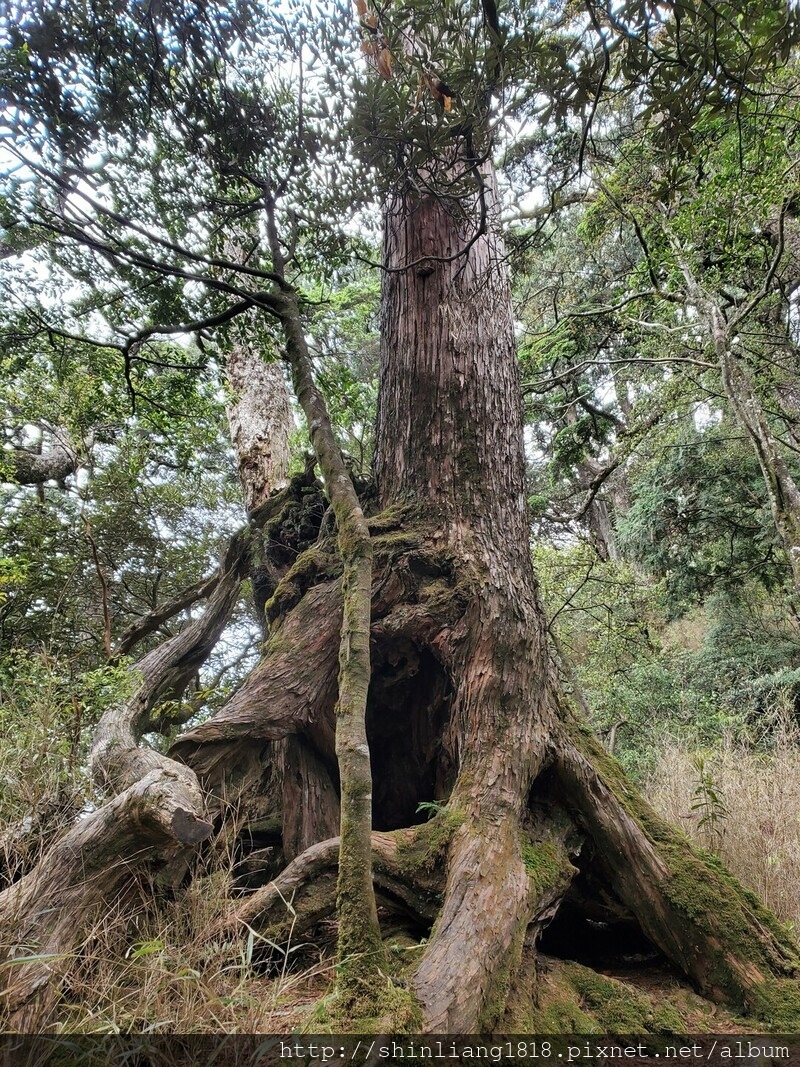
[744, 804]
[172, 971]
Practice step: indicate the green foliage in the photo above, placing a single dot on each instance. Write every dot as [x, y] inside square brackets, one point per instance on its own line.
[48, 713]
[346, 338]
[699, 517]
[728, 669]
[708, 804]
[603, 612]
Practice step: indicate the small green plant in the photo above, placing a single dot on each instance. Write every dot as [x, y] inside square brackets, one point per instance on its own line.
[431, 808]
[708, 805]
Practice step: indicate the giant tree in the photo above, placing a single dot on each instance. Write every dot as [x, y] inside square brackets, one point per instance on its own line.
[406, 662]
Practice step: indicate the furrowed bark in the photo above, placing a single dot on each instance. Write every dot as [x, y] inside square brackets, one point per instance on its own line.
[450, 438]
[311, 809]
[288, 690]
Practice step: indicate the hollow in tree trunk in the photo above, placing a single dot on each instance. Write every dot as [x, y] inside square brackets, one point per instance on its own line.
[465, 712]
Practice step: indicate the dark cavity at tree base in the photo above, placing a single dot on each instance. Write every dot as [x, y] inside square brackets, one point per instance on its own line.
[493, 830]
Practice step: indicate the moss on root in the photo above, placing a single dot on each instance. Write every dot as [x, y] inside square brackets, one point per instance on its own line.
[549, 871]
[391, 1009]
[618, 1007]
[430, 841]
[547, 865]
[396, 531]
[573, 999]
[757, 964]
[777, 1002]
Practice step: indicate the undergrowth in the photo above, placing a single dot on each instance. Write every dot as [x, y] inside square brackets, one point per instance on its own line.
[171, 969]
[742, 802]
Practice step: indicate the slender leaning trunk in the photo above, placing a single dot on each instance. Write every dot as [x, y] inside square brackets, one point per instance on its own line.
[782, 490]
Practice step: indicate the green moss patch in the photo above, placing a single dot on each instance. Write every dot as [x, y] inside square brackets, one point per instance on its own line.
[573, 999]
[547, 865]
[777, 1003]
[429, 844]
[391, 1009]
[317, 564]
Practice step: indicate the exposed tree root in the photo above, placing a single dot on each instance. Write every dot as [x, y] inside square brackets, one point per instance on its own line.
[292, 688]
[533, 801]
[557, 996]
[44, 915]
[531, 814]
[305, 892]
[711, 929]
[157, 814]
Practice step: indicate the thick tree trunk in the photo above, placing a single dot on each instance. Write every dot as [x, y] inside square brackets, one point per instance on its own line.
[259, 411]
[450, 439]
[462, 694]
[260, 422]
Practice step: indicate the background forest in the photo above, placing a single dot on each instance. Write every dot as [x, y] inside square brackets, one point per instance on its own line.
[652, 223]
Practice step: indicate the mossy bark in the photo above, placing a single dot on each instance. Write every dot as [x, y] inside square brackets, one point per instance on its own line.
[360, 948]
[526, 800]
[494, 864]
[713, 930]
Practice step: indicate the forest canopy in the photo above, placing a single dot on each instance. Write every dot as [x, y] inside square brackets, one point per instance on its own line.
[401, 465]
